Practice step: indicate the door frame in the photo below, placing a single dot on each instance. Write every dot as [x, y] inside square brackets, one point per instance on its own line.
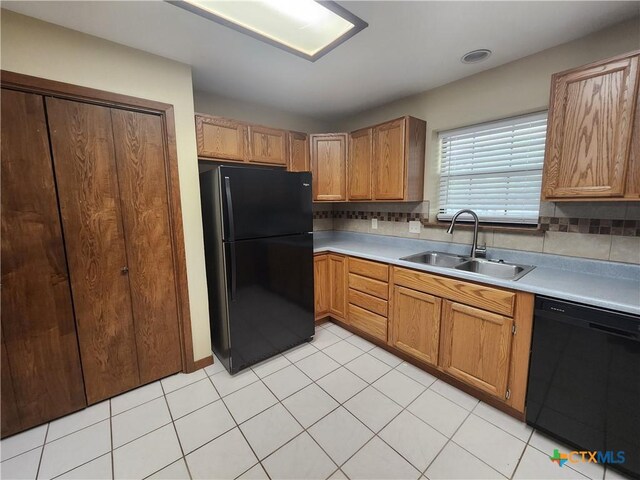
[52, 88]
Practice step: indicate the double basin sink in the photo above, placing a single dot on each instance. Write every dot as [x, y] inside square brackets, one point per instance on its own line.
[488, 268]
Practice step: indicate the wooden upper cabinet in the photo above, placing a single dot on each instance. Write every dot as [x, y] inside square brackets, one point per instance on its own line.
[298, 152]
[591, 124]
[267, 145]
[476, 347]
[398, 160]
[220, 138]
[360, 165]
[415, 324]
[389, 150]
[329, 166]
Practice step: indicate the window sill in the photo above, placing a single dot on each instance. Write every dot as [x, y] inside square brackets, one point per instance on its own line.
[489, 227]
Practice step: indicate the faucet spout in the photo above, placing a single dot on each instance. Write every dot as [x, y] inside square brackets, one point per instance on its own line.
[475, 250]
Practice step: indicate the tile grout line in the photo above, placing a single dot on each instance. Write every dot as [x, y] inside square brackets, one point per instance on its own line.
[113, 467]
[175, 429]
[44, 444]
[521, 455]
[237, 426]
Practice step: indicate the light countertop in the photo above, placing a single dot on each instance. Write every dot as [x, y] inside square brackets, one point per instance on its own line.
[611, 285]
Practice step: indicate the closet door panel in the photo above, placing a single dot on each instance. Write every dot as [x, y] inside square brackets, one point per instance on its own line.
[85, 169]
[140, 154]
[40, 361]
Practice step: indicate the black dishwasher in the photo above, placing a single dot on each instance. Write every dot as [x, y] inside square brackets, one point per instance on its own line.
[584, 381]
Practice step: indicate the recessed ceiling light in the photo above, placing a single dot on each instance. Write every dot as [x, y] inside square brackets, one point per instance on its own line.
[307, 28]
[476, 56]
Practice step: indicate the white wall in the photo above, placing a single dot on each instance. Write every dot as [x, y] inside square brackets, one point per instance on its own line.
[213, 104]
[33, 47]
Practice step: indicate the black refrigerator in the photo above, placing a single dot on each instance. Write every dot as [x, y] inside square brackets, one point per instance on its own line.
[258, 240]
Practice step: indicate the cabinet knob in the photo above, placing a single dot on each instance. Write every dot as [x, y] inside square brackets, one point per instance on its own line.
[124, 270]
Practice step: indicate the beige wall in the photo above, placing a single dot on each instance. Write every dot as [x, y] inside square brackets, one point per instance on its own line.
[519, 87]
[512, 89]
[45, 50]
[256, 113]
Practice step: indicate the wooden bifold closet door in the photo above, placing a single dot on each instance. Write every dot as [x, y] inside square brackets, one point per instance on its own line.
[109, 166]
[41, 374]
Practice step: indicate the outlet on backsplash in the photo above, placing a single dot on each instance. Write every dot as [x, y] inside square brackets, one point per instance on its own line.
[374, 224]
[415, 226]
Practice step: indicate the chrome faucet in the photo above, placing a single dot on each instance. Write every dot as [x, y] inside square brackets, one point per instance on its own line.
[476, 251]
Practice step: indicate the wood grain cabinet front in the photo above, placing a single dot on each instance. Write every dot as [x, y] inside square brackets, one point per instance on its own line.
[298, 152]
[220, 138]
[321, 285]
[329, 167]
[360, 170]
[267, 145]
[415, 324]
[338, 286]
[593, 131]
[476, 347]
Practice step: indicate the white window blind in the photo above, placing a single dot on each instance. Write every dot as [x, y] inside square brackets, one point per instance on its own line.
[494, 169]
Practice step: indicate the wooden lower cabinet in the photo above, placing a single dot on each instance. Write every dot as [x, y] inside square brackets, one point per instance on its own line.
[476, 347]
[338, 287]
[321, 285]
[415, 325]
[329, 272]
[476, 335]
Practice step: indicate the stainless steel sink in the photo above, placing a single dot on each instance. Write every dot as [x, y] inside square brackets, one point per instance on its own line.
[437, 259]
[497, 269]
[489, 268]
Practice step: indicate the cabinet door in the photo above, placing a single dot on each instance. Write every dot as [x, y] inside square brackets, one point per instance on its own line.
[360, 162]
[221, 138]
[329, 167]
[321, 285]
[40, 359]
[140, 160]
[298, 152]
[476, 347]
[337, 286]
[589, 131]
[86, 174]
[389, 160]
[267, 145]
[415, 324]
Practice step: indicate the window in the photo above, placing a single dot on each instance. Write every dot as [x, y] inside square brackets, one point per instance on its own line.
[494, 168]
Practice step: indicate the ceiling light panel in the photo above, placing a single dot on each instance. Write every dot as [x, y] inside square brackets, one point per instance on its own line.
[305, 27]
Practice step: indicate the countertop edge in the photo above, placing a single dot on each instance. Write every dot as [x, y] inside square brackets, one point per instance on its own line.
[510, 284]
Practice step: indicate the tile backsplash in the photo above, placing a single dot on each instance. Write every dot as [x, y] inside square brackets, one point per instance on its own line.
[605, 231]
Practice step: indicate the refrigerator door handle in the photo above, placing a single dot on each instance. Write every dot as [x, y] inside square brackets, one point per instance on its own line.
[231, 271]
[227, 192]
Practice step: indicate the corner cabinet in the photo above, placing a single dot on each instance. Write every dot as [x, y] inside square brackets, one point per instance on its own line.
[329, 166]
[592, 132]
[360, 172]
[330, 286]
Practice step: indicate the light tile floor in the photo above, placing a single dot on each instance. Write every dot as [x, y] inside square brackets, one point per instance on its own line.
[338, 407]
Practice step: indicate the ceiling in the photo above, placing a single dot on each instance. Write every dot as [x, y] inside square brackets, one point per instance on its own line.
[408, 47]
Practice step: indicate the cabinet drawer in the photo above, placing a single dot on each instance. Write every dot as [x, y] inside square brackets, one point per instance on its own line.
[488, 298]
[368, 322]
[366, 268]
[367, 285]
[368, 302]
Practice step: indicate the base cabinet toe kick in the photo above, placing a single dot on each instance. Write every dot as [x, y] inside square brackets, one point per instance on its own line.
[474, 336]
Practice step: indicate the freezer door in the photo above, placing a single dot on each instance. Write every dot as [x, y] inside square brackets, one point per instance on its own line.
[270, 296]
[260, 203]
